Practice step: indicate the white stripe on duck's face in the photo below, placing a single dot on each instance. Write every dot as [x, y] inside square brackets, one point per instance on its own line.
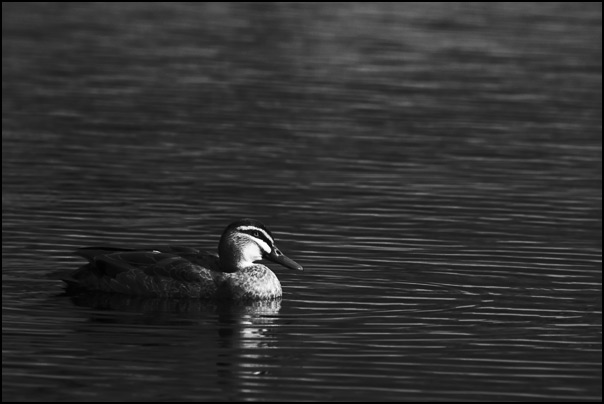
[260, 243]
[259, 236]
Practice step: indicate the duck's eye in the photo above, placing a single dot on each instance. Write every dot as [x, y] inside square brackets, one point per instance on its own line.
[255, 234]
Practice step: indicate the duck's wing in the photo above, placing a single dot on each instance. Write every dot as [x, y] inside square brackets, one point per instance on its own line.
[173, 262]
[157, 272]
[110, 262]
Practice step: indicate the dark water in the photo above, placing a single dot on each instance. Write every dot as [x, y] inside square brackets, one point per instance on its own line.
[436, 168]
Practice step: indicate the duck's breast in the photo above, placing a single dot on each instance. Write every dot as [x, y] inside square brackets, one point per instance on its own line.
[253, 283]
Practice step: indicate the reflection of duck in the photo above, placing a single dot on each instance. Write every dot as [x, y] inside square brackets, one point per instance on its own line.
[173, 271]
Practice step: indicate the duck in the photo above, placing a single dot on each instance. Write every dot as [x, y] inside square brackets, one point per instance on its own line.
[185, 272]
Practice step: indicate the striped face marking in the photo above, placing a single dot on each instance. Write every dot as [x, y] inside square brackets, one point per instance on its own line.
[260, 236]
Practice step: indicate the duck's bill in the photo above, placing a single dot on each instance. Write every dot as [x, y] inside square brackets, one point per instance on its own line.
[278, 257]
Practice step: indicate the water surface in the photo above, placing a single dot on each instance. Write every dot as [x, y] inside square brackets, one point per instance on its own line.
[436, 168]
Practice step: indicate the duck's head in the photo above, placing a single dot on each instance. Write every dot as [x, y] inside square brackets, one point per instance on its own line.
[246, 241]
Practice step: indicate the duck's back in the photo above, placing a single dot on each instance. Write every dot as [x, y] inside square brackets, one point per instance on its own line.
[165, 271]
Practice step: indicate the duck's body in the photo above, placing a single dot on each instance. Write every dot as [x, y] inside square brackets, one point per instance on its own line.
[171, 271]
